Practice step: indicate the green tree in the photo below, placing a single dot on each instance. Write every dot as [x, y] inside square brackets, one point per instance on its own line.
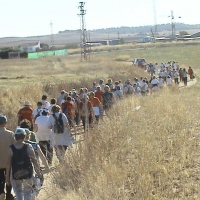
[182, 33]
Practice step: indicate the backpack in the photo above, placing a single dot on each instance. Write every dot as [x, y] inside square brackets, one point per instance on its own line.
[21, 163]
[38, 114]
[107, 100]
[58, 124]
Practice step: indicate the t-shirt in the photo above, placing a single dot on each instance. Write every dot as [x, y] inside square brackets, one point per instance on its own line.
[69, 108]
[26, 113]
[43, 133]
[45, 104]
[36, 111]
[154, 81]
[169, 81]
[95, 101]
[98, 94]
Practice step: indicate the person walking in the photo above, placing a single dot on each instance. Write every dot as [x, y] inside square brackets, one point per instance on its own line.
[26, 113]
[86, 112]
[37, 112]
[20, 171]
[185, 74]
[181, 74]
[61, 136]
[43, 135]
[6, 139]
[191, 73]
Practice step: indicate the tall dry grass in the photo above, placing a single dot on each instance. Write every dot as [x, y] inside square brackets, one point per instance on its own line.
[152, 153]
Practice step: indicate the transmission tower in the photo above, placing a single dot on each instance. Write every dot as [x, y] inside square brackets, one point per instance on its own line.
[52, 37]
[155, 18]
[83, 36]
[172, 23]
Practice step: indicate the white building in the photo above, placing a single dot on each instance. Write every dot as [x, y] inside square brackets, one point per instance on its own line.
[30, 48]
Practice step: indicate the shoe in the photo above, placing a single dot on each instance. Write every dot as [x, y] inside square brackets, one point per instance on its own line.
[2, 196]
[9, 197]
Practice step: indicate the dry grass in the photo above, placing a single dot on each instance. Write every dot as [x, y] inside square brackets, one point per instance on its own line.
[152, 153]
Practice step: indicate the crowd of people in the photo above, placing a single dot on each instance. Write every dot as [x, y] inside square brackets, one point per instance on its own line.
[49, 126]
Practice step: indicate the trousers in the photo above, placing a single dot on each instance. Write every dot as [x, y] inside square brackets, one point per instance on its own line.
[2, 182]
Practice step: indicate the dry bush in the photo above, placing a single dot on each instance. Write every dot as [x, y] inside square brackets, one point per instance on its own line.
[152, 153]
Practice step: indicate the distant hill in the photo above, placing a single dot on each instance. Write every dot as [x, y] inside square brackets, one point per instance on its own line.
[141, 29]
[129, 34]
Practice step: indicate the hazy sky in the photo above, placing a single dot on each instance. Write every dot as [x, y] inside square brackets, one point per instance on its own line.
[32, 17]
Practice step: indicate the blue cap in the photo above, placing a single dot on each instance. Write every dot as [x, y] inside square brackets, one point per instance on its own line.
[19, 131]
[3, 119]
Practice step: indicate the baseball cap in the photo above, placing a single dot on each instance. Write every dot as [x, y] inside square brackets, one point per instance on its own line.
[19, 131]
[3, 119]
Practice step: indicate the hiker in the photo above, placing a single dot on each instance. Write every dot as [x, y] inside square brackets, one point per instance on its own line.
[53, 103]
[144, 87]
[154, 82]
[37, 112]
[86, 112]
[169, 80]
[181, 74]
[94, 87]
[43, 135]
[61, 136]
[26, 124]
[6, 139]
[128, 88]
[26, 113]
[97, 106]
[61, 97]
[161, 82]
[118, 93]
[39, 156]
[110, 84]
[176, 76]
[20, 171]
[101, 84]
[185, 74]
[99, 93]
[191, 73]
[108, 98]
[69, 109]
[45, 103]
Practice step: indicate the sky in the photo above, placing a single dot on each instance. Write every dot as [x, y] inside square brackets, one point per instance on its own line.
[33, 17]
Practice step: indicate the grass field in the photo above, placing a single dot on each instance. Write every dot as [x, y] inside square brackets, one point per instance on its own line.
[152, 153]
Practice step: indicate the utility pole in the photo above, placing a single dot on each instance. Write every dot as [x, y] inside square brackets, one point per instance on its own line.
[172, 23]
[52, 38]
[155, 18]
[83, 35]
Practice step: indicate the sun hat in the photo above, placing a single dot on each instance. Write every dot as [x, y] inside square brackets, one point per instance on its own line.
[3, 119]
[27, 103]
[19, 131]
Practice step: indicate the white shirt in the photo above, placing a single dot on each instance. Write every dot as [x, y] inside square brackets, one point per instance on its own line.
[45, 104]
[121, 85]
[161, 81]
[169, 81]
[154, 81]
[36, 111]
[43, 133]
[62, 138]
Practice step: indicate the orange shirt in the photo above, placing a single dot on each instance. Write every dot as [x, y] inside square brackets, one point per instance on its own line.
[98, 94]
[70, 108]
[26, 113]
[95, 101]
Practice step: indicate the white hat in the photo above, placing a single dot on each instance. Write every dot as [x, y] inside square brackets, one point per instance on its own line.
[27, 103]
